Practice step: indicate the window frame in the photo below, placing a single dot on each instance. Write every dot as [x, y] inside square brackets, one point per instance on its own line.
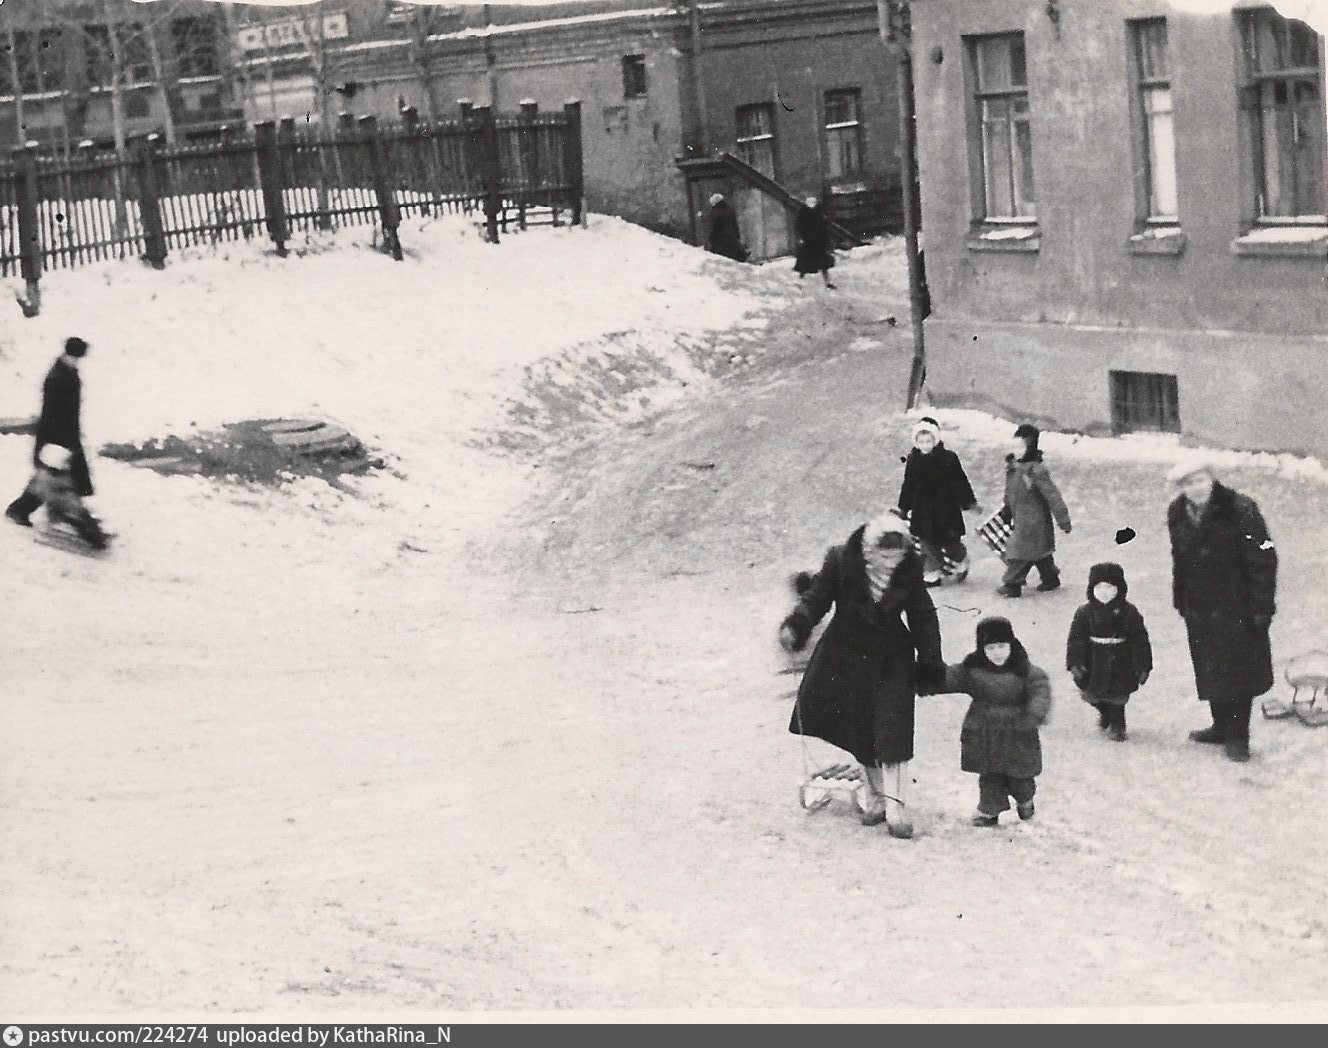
[196, 46]
[1146, 160]
[633, 67]
[854, 129]
[976, 95]
[742, 143]
[1128, 390]
[1251, 82]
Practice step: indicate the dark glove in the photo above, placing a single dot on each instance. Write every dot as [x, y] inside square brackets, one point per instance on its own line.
[801, 582]
[793, 634]
[1143, 678]
[1066, 527]
[930, 678]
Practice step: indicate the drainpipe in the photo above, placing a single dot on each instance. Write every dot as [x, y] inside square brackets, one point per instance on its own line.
[894, 25]
[698, 76]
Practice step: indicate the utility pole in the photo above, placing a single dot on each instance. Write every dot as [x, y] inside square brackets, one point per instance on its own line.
[896, 30]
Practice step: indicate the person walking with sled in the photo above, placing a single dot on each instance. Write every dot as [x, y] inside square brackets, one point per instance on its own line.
[1108, 652]
[724, 238]
[812, 233]
[859, 688]
[1224, 585]
[999, 738]
[59, 424]
[1034, 500]
[933, 497]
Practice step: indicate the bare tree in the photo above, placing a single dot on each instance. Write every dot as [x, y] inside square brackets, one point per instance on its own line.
[421, 27]
[16, 79]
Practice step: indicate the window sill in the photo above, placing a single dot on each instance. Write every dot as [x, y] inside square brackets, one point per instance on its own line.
[1158, 240]
[1025, 239]
[1283, 242]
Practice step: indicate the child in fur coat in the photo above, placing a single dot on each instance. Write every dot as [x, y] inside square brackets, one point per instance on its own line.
[999, 738]
[1108, 652]
[934, 497]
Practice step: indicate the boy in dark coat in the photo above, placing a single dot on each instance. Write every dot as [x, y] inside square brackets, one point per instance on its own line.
[1108, 652]
[725, 238]
[933, 497]
[58, 424]
[999, 738]
[813, 242]
[860, 684]
[1224, 585]
[1034, 500]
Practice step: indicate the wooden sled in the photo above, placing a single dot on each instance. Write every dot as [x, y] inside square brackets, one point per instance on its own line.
[1308, 676]
[821, 786]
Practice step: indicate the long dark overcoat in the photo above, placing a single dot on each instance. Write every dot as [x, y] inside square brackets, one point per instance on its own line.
[935, 494]
[864, 665]
[999, 735]
[813, 240]
[1034, 500]
[725, 238]
[62, 395]
[1224, 576]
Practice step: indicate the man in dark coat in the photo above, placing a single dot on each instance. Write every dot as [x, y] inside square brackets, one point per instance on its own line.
[812, 233]
[725, 238]
[62, 395]
[934, 496]
[1224, 584]
[860, 684]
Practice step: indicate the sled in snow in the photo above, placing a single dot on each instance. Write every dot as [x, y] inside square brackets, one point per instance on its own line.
[820, 786]
[1308, 676]
[64, 536]
[995, 531]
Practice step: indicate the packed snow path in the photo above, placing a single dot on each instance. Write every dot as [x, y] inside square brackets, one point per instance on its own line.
[295, 754]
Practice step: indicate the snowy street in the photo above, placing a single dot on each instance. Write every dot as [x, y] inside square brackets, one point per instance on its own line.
[502, 728]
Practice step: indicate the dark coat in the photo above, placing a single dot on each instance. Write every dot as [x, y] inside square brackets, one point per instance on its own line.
[813, 240]
[1224, 584]
[1111, 643]
[863, 667]
[999, 735]
[62, 396]
[935, 494]
[725, 238]
[1034, 500]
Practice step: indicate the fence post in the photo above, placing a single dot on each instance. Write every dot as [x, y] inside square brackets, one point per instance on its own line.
[273, 185]
[491, 169]
[389, 214]
[149, 204]
[468, 149]
[29, 230]
[572, 145]
[529, 156]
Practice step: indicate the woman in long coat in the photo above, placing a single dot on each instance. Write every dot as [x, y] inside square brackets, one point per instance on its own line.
[812, 233]
[860, 684]
[725, 238]
[1224, 585]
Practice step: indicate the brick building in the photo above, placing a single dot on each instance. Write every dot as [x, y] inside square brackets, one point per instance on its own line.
[1124, 209]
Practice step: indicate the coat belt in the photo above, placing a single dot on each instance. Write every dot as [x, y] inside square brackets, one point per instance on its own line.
[1107, 640]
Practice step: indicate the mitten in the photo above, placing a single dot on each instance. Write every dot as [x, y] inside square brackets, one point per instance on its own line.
[802, 582]
[793, 634]
[1143, 678]
[930, 677]
[1080, 675]
[1066, 527]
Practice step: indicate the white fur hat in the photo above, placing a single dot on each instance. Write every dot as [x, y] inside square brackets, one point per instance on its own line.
[715, 198]
[927, 424]
[1190, 464]
[54, 456]
[887, 523]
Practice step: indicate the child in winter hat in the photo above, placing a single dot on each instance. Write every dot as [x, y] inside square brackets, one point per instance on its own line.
[999, 739]
[1108, 652]
[933, 497]
[1034, 501]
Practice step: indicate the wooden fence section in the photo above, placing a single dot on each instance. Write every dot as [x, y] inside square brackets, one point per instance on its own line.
[523, 169]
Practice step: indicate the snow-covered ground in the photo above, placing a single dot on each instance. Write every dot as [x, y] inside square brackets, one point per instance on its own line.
[501, 728]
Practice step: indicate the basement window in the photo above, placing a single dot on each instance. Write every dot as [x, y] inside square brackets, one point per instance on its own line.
[1144, 401]
[634, 76]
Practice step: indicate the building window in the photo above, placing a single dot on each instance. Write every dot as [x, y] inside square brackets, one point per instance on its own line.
[40, 61]
[634, 76]
[1152, 85]
[1142, 400]
[843, 134]
[1005, 141]
[1283, 107]
[194, 40]
[756, 137]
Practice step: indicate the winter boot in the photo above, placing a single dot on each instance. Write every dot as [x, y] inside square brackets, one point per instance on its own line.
[1238, 749]
[1049, 584]
[874, 813]
[896, 811]
[1010, 591]
[1103, 716]
[983, 819]
[1116, 733]
[18, 517]
[1217, 734]
[1026, 810]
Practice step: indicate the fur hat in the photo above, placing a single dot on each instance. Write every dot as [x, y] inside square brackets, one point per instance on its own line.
[715, 198]
[55, 456]
[75, 346]
[886, 531]
[1029, 433]
[927, 424]
[1189, 465]
[995, 630]
[1107, 572]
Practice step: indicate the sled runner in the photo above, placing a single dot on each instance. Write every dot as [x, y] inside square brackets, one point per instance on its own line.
[62, 535]
[1305, 673]
[996, 530]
